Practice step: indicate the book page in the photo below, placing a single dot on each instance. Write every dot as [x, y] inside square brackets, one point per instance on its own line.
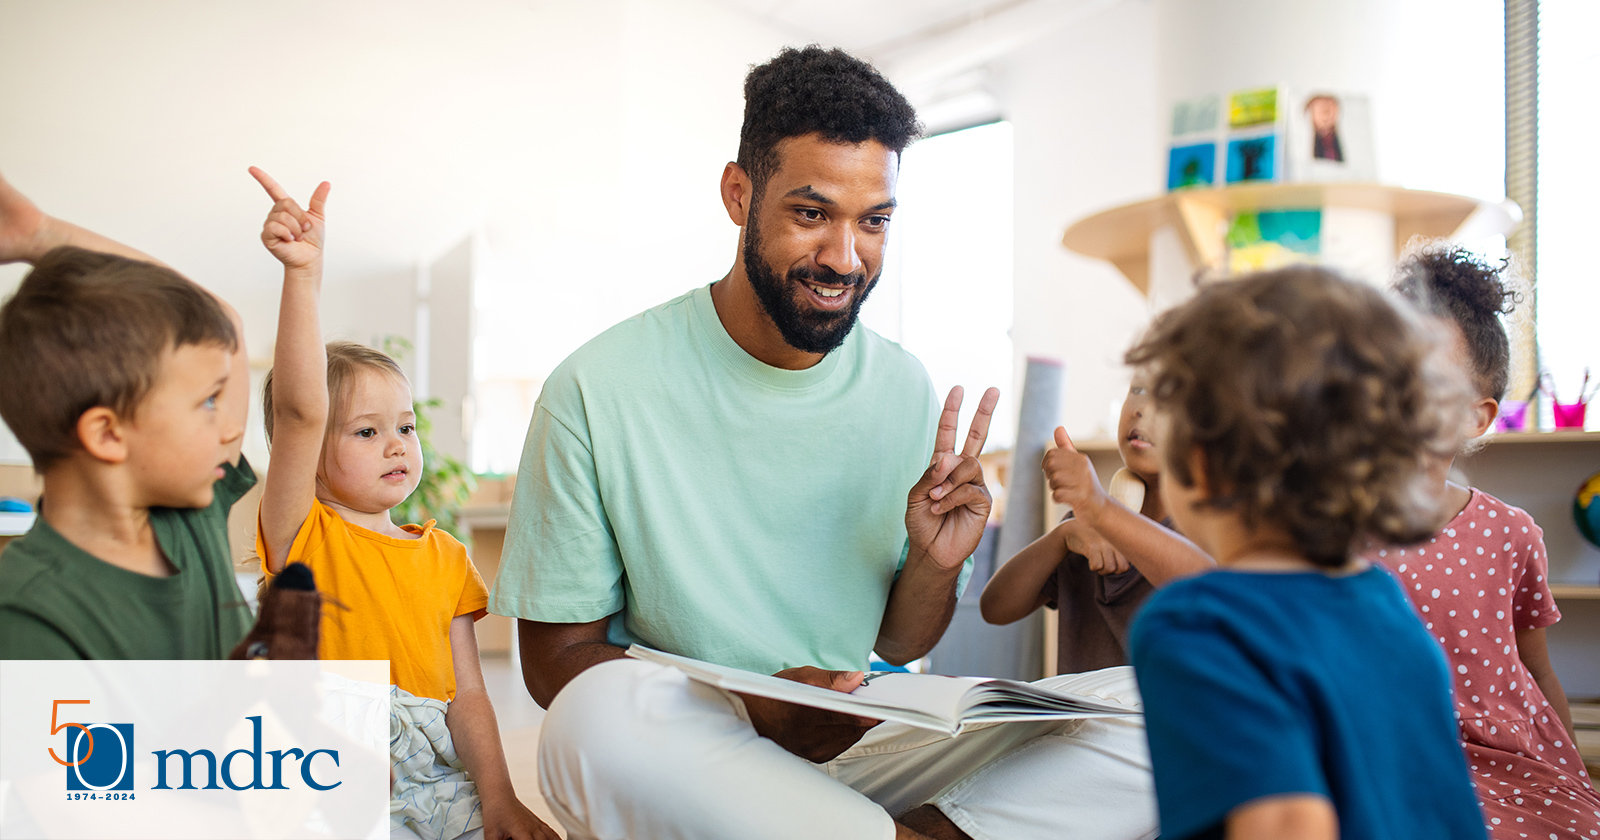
[761, 685]
[927, 701]
[928, 693]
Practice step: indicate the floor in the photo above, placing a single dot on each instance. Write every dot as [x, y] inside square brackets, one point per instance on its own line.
[519, 719]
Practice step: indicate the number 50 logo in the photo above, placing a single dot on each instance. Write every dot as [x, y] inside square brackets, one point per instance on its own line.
[93, 763]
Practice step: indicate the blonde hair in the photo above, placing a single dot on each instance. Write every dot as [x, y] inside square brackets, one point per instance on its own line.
[346, 359]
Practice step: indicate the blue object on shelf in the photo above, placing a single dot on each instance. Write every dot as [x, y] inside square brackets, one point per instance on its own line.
[1586, 509]
[12, 504]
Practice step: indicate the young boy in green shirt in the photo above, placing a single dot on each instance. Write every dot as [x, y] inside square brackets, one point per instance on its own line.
[128, 386]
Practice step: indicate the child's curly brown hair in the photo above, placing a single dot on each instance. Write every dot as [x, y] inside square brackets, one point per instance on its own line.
[1447, 280]
[1316, 403]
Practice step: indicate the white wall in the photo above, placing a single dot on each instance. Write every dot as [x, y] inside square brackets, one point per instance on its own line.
[1084, 104]
[1434, 69]
[1091, 105]
[583, 140]
[620, 222]
[142, 118]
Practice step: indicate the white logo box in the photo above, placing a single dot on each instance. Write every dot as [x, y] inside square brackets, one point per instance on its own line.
[249, 717]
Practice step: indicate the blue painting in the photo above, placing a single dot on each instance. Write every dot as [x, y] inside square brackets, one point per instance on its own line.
[1253, 159]
[1192, 166]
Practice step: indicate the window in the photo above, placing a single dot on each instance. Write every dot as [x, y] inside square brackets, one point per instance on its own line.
[1568, 300]
[946, 289]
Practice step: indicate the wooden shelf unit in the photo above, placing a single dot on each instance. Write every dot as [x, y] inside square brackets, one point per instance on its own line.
[1121, 235]
[1562, 436]
[1098, 445]
[1538, 472]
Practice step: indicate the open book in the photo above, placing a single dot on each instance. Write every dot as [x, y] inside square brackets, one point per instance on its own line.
[927, 701]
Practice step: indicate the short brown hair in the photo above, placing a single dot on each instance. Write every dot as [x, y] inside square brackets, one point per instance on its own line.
[345, 360]
[1316, 402]
[86, 329]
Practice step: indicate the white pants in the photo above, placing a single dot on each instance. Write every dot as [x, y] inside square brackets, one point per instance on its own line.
[634, 750]
[404, 833]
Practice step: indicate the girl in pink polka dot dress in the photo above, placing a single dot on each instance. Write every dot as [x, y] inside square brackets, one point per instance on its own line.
[1481, 587]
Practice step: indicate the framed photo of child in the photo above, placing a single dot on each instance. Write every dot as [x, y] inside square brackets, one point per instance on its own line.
[1329, 138]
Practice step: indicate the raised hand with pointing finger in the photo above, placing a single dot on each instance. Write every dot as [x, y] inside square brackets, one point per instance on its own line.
[292, 234]
[376, 434]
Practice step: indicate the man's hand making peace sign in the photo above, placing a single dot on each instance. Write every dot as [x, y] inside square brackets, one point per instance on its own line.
[947, 509]
[945, 514]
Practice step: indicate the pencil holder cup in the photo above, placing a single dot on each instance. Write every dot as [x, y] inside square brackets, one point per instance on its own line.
[1569, 416]
[1513, 416]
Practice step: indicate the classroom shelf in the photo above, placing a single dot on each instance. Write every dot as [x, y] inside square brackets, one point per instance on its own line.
[1121, 235]
[1563, 436]
[1500, 439]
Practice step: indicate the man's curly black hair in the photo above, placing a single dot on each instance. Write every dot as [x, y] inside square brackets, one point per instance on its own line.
[1450, 282]
[818, 91]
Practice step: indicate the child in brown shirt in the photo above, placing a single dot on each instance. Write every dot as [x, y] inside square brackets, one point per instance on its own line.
[1100, 564]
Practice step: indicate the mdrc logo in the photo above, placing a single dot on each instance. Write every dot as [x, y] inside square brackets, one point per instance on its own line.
[100, 760]
[99, 755]
[194, 750]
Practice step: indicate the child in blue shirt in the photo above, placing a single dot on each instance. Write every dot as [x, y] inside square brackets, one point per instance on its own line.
[1293, 692]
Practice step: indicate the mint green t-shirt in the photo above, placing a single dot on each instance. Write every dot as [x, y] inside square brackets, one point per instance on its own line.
[720, 508]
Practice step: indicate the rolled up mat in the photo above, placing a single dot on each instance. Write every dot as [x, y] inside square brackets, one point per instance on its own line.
[1040, 413]
[1036, 424]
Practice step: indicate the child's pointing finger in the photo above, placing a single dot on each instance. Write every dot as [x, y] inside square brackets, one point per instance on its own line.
[277, 192]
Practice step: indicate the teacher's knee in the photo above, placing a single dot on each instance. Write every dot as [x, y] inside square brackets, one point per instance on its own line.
[618, 722]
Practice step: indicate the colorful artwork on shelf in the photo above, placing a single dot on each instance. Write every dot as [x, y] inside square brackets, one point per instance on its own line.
[1276, 134]
[1196, 116]
[1252, 159]
[1269, 239]
[1248, 108]
[1192, 166]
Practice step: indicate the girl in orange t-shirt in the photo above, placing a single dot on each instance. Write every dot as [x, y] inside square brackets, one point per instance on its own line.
[342, 427]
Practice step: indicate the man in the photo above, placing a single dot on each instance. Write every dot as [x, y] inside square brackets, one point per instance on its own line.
[722, 477]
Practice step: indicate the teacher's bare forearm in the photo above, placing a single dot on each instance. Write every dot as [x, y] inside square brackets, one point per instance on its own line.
[552, 654]
[920, 606]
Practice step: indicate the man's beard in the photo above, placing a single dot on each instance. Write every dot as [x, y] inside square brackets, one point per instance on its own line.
[804, 329]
